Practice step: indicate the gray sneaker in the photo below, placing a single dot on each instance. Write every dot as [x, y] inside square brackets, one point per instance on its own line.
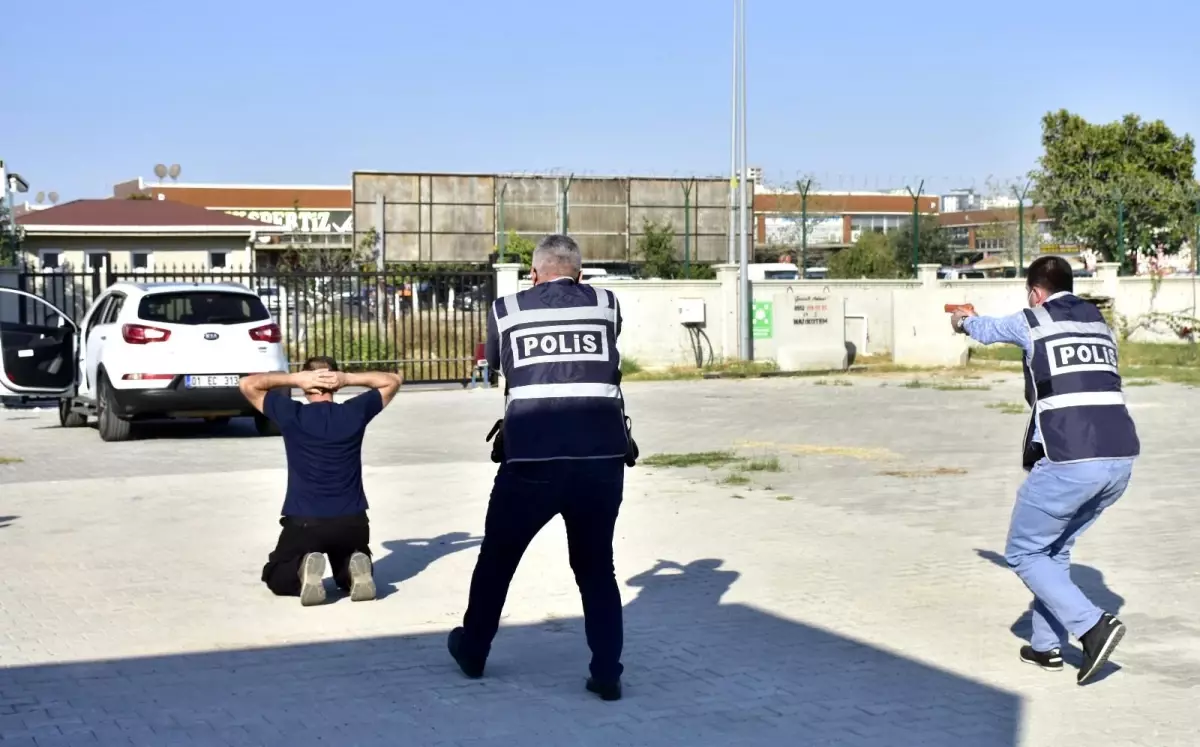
[362, 578]
[312, 586]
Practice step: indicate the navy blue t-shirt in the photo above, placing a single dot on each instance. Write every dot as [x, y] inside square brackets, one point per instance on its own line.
[323, 441]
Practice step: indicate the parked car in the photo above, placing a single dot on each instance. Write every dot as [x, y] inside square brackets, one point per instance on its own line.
[144, 351]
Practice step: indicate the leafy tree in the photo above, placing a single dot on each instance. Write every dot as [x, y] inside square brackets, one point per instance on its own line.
[10, 237]
[519, 249]
[871, 256]
[1091, 174]
[933, 245]
[657, 249]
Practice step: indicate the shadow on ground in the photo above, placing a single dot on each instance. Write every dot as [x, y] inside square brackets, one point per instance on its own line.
[7, 520]
[1091, 582]
[697, 673]
[409, 557]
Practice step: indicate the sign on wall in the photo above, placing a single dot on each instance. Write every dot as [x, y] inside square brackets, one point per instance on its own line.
[762, 322]
[302, 221]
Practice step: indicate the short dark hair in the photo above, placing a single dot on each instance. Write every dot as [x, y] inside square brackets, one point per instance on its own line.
[319, 362]
[1052, 274]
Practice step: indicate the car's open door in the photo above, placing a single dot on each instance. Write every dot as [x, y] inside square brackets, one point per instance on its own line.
[38, 354]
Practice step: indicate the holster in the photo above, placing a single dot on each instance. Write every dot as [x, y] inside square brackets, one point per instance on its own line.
[1034, 452]
[631, 452]
[497, 433]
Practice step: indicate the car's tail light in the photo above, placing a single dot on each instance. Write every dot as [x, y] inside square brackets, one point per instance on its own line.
[140, 334]
[266, 333]
[147, 377]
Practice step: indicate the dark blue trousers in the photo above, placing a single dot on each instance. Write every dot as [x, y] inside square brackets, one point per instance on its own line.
[525, 496]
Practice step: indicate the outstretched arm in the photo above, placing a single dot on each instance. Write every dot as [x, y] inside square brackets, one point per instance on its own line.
[989, 330]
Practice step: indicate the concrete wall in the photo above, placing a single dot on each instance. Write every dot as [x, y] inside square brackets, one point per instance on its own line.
[903, 317]
[459, 218]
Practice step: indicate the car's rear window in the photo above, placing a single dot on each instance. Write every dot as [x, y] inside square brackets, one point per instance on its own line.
[202, 307]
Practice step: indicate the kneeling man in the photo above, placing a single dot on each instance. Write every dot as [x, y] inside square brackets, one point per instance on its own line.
[325, 511]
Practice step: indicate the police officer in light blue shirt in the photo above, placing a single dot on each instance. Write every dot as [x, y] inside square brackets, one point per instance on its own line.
[1079, 451]
[563, 447]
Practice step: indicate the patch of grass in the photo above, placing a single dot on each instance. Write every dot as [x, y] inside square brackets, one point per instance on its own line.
[710, 459]
[1173, 374]
[739, 497]
[950, 387]
[783, 498]
[630, 366]
[915, 384]
[1139, 382]
[731, 368]
[767, 464]
[10, 460]
[853, 452]
[917, 473]
[1007, 408]
[1173, 362]
[735, 480]
[998, 352]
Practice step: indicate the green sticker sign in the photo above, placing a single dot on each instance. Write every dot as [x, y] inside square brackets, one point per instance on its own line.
[762, 323]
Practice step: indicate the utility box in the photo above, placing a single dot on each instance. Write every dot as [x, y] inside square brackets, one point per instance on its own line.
[691, 311]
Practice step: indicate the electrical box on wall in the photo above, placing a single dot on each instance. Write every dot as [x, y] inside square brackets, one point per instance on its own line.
[691, 311]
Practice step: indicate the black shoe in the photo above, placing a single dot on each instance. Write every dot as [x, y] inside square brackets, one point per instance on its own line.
[1050, 660]
[606, 690]
[472, 669]
[1098, 644]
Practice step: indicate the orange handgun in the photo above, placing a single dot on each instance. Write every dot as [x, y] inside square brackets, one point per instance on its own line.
[952, 308]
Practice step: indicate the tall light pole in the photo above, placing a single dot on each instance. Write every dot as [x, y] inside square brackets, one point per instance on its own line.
[733, 136]
[746, 348]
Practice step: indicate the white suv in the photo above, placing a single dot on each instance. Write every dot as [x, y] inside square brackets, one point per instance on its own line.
[147, 350]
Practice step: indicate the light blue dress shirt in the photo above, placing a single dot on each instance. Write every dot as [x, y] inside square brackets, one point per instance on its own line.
[1012, 329]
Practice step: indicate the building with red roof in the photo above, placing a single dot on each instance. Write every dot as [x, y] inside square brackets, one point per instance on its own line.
[138, 234]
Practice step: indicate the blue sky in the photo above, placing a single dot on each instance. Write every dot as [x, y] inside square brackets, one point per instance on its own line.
[862, 93]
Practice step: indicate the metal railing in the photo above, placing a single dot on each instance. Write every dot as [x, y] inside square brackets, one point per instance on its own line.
[423, 323]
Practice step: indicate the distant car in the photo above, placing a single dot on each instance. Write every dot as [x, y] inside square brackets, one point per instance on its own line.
[145, 351]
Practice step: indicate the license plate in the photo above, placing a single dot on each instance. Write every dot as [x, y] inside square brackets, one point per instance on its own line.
[209, 382]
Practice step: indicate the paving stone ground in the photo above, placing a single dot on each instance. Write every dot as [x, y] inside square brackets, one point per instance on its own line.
[856, 597]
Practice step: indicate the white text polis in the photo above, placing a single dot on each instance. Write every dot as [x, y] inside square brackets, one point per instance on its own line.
[576, 342]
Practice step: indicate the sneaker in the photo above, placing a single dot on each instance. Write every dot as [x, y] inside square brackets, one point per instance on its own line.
[312, 587]
[472, 669]
[606, 690]
[1051, 660]
[1098, 644]
[362, 578]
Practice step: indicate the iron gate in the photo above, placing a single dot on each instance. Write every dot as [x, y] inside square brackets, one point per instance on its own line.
[423, 323]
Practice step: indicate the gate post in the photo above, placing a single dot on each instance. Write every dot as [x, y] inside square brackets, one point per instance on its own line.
[507, 279]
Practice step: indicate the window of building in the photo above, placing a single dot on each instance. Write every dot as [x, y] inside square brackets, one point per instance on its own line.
[218, 260]
[98, 259]
[51, 259]
[140, 260]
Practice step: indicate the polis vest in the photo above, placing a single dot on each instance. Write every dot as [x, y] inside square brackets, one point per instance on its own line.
[1073, 387]
[558, 354]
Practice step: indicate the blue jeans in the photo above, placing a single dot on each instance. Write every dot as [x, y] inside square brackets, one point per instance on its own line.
[1054, 506]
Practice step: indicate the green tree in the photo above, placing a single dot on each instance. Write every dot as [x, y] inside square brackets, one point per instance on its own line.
[10, 237]
[871, 257]
[933, 245]
[518, 249]
[657, 250]
[1091, 174]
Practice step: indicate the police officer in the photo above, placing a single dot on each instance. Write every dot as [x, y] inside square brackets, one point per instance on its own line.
[1079, 451]
[564, 443]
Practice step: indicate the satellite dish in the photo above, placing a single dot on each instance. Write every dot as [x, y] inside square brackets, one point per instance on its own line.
[53, 196]
[160, 170]
[40, 198]
[173, 172]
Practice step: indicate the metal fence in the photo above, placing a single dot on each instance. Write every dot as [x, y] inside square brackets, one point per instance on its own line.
[425, 324]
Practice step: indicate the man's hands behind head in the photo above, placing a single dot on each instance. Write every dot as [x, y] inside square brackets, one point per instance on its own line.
[319, 381]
